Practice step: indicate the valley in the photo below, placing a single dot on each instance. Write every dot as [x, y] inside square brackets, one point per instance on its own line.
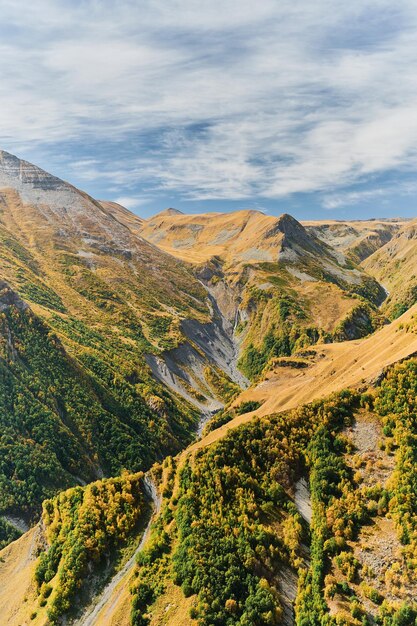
[206, 419]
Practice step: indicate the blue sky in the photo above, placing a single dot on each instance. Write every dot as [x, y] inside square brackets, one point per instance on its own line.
[304, 107]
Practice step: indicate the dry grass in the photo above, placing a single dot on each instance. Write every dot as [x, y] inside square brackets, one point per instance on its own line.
[395, 264]
[236, 237]
[172, 609]
[17, 590]
[336, 366]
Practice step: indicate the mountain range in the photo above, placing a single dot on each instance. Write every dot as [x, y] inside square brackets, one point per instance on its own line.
[205, 418]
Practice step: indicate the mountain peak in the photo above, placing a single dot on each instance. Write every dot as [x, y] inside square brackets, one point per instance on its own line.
[167, 213]
[289, 227]
[17, 172]
[33, 196]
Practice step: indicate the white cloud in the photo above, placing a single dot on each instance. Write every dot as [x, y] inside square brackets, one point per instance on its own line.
[225, 99]
[132, 202]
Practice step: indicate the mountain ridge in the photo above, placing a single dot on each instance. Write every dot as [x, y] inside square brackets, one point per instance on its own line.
[120, 338]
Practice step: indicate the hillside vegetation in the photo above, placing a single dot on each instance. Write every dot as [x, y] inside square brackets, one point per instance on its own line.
[63, 425]
[82, 525]
[230, 530]
[121, 338]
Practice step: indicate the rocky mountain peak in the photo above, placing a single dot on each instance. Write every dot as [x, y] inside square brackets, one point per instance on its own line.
[290, 226]
[15, 171]
[170, 212]
[293, 231]
[34, 196]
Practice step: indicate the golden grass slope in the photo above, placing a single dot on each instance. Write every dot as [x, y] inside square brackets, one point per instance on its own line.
[17, 587]
[333, 367]
[123, 215]
[237, 237]
[395, 266]
[91, 251]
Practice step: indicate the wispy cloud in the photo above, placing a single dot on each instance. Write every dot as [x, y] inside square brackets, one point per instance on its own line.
[212, 100]
[374, 194]
[132, 202]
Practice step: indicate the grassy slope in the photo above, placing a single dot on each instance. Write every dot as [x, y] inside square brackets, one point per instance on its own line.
[394, 265]
[78, 396]
[398, 346]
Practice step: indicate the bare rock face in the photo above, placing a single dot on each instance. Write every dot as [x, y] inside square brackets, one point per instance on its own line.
[48, 202]
[9, 298]
[296, 236]
[14, 170]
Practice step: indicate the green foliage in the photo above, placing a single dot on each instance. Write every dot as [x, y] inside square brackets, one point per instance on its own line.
[60, 421]
[327, 474]
[281, 340]
[340, 508]
[8, 533]
[220, 418]
[227, 547]
[246, 407]
[82, 525]
[397, 403]
[403, 616]
[360, 321]
[407, 300]
[154, 562]
[228, 550]
[223, 417]
[225, 388]
[35, 290]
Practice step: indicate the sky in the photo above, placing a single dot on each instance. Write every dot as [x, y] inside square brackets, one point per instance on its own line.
[289, 106]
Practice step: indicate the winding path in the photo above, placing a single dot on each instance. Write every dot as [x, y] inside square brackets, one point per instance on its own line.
[89, 618]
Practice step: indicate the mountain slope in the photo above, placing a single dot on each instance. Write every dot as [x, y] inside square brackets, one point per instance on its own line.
[395, 266]
[356, 239]
[246, 236]
[267, 477]
[62, 424]
[86, 305]
[279, 286]
[251, 468]
[111, 350]
[123, 215]
[323, 370]
[83, 262]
